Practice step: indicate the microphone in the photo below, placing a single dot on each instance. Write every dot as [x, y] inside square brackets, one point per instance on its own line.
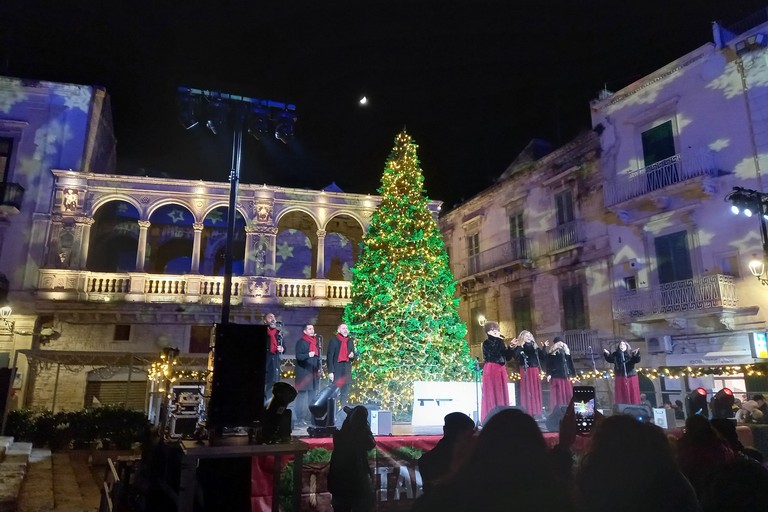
[278, 323]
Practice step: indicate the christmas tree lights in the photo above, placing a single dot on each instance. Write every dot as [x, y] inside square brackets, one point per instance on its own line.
[403, 313]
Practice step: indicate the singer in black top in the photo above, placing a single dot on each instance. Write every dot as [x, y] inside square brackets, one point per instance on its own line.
[495, 379]
[341, 352]
[307, 372]
[626, 386]
[274, 349]
[529, 356]
[560, 371]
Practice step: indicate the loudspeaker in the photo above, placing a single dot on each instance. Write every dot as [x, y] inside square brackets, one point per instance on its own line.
[553, 420]
[642, 413]
[237, 387]
[501, 408]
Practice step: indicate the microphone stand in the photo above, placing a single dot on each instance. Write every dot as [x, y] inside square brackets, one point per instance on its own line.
[594, 366]
[320, 355]
[477, 391]
[623, 354]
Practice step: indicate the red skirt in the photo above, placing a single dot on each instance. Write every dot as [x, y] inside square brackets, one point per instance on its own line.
[560, 393]
[530, 391]
[627, 390]
[495, 390]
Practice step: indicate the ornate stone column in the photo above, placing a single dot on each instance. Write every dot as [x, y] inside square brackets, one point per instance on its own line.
[84, 234]
[320, 273]
[141, 249]
[198, 228]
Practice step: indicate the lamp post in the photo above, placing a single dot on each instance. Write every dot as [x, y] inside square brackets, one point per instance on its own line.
[752, 202]
[215, 109]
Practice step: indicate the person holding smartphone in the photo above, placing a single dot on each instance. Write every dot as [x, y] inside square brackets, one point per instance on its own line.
[496, 353]
[529, 356]
[560, 370]
[626, 385]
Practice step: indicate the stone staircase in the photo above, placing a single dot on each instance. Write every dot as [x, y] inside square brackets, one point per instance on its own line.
[34, 480]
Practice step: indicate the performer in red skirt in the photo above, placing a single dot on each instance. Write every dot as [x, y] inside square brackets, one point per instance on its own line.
[560, 371]
[495, 357]
[529, 356]
[626, 386]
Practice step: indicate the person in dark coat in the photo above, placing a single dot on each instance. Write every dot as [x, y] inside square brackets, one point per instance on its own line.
[495, 379]
[560, 371]
[307, 372]
[341, 353]
[349, 476]
[626, 386]
[438, 462]
[274, 349]
[529, 356]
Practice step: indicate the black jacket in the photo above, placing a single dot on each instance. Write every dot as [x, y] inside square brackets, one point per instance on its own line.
[333, 352]
[529, 355]
[495, 351]
[307, 368]
[560, 365]
[623, 362]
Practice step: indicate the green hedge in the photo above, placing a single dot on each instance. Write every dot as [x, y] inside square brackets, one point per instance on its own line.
[111, 425]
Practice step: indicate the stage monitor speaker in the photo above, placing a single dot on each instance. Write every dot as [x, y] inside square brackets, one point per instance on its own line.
[640, 412]
[237, 387]
[501, 408]
[553, 420]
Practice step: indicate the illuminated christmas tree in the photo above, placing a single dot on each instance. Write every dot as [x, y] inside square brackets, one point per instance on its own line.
[403, 313]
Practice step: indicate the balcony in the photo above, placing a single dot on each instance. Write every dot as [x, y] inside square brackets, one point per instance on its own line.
[701, 294]
[11, 197]
[83, 285]
[581, 342]
[565, 236]
[516, 250]
[675, 169]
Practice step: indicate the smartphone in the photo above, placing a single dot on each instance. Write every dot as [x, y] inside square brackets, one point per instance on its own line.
[584, 407]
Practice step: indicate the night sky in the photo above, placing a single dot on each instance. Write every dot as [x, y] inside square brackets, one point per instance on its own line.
[473, 81]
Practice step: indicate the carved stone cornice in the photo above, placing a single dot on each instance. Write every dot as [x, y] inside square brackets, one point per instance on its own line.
[87, 221]
[261, 229]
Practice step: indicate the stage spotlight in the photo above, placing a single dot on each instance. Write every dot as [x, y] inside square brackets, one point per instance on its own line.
[722, 404]
[187, 106]
[734, 209]
[284, 125]
[258, 121]
[747, 212]
[277, 415]
[217, 115]
[697, 402]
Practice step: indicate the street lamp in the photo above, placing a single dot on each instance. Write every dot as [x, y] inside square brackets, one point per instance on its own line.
[752, 202]
[215, 110]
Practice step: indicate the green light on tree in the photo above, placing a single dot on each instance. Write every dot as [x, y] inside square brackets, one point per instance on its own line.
[403, 312]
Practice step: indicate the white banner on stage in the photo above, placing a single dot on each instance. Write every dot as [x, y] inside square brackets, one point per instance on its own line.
[433, 400]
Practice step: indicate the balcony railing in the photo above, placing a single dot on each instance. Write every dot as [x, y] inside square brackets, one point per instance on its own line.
[517, 249]
[11, 196]
[581, 342]
[697, 294]
[140, 287]
[677, 168]
[565, 235]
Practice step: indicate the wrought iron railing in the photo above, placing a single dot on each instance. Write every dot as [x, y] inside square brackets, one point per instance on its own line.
[677, 168]
[581, 342]
[565, 235]
[699, 293]
[11, 194]
[517, 249]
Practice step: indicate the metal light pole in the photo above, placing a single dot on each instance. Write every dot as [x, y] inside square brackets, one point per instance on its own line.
[212, 106]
